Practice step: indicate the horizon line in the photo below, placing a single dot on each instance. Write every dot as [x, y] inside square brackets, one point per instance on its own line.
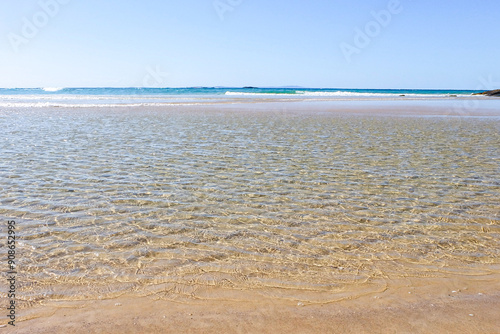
[234, 87]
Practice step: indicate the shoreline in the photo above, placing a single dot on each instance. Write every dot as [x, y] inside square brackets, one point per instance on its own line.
[461, 105]
[446, 107]
[455, 303]
[410, 308]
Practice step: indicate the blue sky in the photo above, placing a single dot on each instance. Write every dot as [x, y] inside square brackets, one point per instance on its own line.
[319, 43]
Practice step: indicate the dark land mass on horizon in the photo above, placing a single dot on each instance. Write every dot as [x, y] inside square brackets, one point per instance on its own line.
[495, 92]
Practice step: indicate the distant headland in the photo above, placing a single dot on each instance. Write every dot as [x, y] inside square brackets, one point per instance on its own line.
[495, 92]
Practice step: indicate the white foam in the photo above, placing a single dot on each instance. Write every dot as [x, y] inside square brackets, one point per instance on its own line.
[258, 94]
[57, 97]
[309, 93]
[92, 105]
[348, 94]
[335, 94]
[52, 89]
[341, 93]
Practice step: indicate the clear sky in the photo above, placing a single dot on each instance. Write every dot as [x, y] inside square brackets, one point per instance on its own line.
[316, 43]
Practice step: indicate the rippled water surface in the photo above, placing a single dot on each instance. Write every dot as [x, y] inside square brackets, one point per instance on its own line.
[301, 205]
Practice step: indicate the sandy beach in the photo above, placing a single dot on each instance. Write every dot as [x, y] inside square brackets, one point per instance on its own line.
[410, 307]
[383, 220]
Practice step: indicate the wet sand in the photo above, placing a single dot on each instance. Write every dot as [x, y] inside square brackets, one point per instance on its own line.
[462, 311]
[439, 301]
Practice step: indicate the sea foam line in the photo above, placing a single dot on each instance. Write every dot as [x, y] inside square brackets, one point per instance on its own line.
[338, 94]
[93, 105]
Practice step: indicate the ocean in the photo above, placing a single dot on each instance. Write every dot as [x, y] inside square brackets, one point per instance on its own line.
[95, 97]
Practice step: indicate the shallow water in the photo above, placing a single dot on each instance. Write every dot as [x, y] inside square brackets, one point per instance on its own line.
[311, 206]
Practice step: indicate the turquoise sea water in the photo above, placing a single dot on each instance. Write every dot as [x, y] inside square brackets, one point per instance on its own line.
[226, 91]
[145, 97]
